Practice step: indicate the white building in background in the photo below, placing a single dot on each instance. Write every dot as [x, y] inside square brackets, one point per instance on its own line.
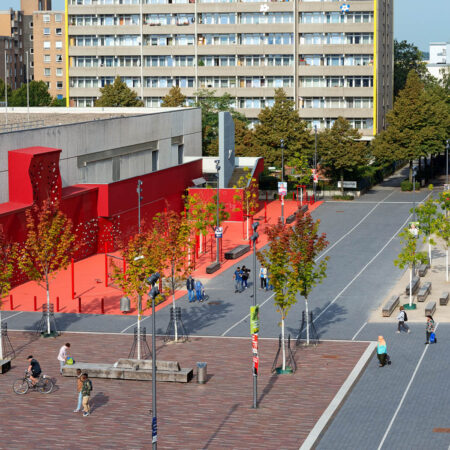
[439, 58]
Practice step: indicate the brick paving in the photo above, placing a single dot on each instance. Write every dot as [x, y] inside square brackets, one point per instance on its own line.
[216, 415]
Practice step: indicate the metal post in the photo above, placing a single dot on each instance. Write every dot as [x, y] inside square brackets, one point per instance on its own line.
[254, 238]
[6, 90]
[217, 161]
[28, 91]
[315, 160]
[414, 219]
[282, 178]
[139, 190]
[446, 162]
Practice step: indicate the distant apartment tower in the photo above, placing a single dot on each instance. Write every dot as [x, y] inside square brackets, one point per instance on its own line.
[49, 50]
[439, 58]
[331, 57]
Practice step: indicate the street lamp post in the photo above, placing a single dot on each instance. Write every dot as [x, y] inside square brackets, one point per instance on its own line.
[282, 178]
[414, 211]
[446, 162]
[139, 191]
[254, 238]
[315, 161]
[153, 293]
[217, 161]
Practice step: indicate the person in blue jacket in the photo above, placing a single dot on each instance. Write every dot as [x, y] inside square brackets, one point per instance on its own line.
[199, 290]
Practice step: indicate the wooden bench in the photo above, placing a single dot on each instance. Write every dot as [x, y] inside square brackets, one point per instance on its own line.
[291, 218]
[423, 292]
[303, 209]
[443, 299]
[213, 267]
[390, 305]
[422, 270]
[237, 252]
[415, 285]
[430, 308]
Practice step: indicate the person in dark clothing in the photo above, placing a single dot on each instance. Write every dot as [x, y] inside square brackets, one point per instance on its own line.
[430, 327]
[237, 280]
[34, 369]
[190, 286]
[245, 275]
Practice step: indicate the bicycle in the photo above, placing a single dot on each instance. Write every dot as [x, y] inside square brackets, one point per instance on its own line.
[22, 385]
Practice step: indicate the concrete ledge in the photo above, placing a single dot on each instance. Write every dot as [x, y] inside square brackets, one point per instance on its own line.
[5, 365]
[213, 267]
[328, 415]
[237, 252]
[132, 369]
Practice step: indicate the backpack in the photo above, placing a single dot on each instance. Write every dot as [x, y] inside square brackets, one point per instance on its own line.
[405, 317]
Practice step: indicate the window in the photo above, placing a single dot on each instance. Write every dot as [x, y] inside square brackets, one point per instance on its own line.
[46, 18]
[46, 44]
[47, 58]
[154, 160]
[59, 85]
[31, 25]
[31, 37]
[47, 71]
[46, 31]
[31, 50]
[59, 72]
[58, 44]
[59, 58]
[58, 31]
[58, 17]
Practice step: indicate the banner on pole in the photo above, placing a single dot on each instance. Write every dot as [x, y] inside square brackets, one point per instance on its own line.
[254, 319]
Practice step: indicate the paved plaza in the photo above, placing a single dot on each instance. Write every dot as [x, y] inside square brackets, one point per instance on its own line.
[402, 406]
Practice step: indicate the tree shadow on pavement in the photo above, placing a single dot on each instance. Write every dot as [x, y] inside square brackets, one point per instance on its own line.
[221, 425]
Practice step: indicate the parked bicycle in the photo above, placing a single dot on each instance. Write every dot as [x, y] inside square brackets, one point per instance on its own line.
[22, 385]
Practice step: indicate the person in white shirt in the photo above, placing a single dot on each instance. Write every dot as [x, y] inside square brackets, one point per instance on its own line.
[402, 318]
[263, 277]
[62, 356]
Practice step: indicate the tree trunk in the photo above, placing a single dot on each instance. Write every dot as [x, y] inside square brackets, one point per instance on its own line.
[307, 321]
[283, 352]
[201, 243]
[342, 182]
[429, 251]
[48, 304]
[139, 327]
[410, 287]
[173, 305]
[410, 171]
[446, 265]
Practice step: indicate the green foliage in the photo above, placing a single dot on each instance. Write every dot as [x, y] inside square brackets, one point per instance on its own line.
[247, 193]
[407, 57]
[281, 121]
[407, 185]
[174, 98]
[8, 254]
[58, 102]
[301, 170]
[343, 197]
[2, 91]
[425, 213]
[118, 94]
[243, 139]
[340, 150]
[417, 125]
[409, 255]
[39, 95]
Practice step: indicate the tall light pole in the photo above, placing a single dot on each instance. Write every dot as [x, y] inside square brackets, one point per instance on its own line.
[153, 294]
[446, 162]
[28, 90]
[315, 161]
[414, 211]
[139, 191]
[217, 161]
[6, 90]
[282, 178]
[253, 238]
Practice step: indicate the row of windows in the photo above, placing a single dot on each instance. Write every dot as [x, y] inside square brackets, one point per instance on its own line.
[336, 81]
[59, 85]
[48, 44]
[336, 60]
[48, 72]
[336, 17]
[336, 102]
[336, 38]
[58, 58]
[47, 31]
[147, 2]
[359, 124]
[46, 18]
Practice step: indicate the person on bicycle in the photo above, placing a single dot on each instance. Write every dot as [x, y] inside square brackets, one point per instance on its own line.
[34, 370]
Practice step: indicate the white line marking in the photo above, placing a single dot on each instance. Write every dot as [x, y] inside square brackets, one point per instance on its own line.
[9, 317]
[363, 269]
[404, 395]
[356, 226]
[356, 334]
[248, 315]
[134, 324]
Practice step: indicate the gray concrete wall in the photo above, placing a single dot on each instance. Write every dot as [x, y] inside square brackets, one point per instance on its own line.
[226, 148]
[107, 137]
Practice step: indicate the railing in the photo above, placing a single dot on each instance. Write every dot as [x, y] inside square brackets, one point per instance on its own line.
[15, 126]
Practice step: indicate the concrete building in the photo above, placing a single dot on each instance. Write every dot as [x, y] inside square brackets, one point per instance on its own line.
[439, 58]
[49, 50]
[331, 62]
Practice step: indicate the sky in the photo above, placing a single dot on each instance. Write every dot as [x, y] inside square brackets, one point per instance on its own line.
[416, 21]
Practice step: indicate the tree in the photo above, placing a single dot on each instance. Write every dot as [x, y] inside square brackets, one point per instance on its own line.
[243, 139]
[211, 106]
[58, 102]
[172, 232]
[7, 258]
[426, 215]
[140, 254]
[2, 91]
[39, 95]
[247, 195]
[276, 258]
[417, 125]
[341, 150]
[49, 245]
[409, 256]
[301, 170]
[441, 225]
[281, 121]
[305, 246]
[407, 57]
[118, 94]
[174, 98]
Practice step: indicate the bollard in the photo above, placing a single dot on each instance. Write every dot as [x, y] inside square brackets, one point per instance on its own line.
[106, 264]
[11, 302]
[72, 268]
[102, 305]
[35, 303]
[79, 305]
[57, 304]
[265, 212]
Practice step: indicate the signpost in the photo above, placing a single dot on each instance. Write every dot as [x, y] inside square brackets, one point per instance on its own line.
[218, 231]
[315, 175]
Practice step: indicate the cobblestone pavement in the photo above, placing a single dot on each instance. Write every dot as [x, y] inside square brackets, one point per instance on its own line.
[216, 415]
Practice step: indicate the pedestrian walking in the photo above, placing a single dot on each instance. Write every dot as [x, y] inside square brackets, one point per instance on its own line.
[430, 327]
[263, 277]
[62, 356]
[382, 351]
[79, 388]
[402, 318]
[237, 276]
[199, 290]
[190, 285]
[86, 390]
[245, 275]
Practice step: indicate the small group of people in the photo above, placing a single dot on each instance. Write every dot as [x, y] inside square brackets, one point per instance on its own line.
[430, 332]
[263, 275]
[241, 276]
[196, 290]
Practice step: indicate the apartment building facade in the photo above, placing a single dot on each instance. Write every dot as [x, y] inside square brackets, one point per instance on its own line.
[49, 50]
[332, 58]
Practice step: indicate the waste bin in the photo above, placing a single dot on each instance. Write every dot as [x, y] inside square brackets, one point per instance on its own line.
[201, 372]
[125, 304]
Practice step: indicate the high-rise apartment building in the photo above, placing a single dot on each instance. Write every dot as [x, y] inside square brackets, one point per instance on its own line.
[332, 58]
[49, 50]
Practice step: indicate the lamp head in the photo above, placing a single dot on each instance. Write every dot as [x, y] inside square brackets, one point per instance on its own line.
[255, 225]
[153, 278]
[282, 142]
